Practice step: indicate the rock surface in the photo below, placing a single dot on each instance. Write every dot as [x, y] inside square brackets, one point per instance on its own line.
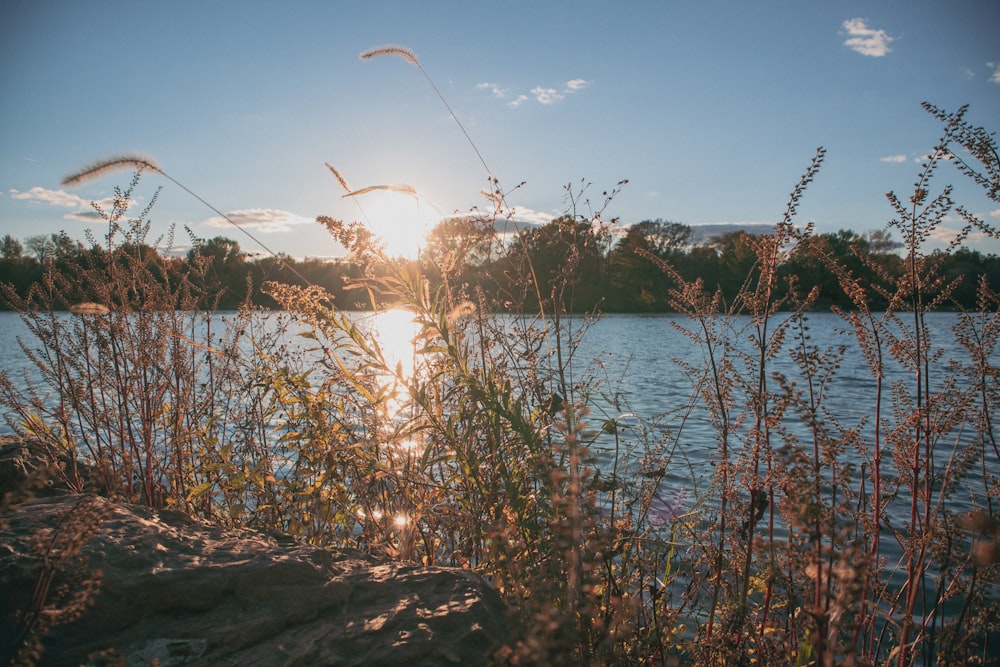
[173, 591]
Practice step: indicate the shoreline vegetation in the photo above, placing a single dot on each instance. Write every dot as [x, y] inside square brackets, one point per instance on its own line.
[814, 540]
[618, 267]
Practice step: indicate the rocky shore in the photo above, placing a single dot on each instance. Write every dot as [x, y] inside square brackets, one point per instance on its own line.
[100, 582]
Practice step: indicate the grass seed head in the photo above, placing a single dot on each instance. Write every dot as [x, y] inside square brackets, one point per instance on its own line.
[389, 50]
[109, 165]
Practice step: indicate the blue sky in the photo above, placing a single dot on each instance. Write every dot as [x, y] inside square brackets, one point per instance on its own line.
[711, 110]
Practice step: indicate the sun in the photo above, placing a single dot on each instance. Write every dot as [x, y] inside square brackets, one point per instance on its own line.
[400, 220]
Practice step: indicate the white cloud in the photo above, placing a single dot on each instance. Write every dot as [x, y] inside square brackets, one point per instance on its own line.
[927, 157]
[522, 215]
[995, 77]
[995, 213]
[947, 235]
[264, 220]
[893, 158]
[51, 197]
[85, 211]
[866, 41]
[86, 215]
[497, 90]
[546, 95]
[943, 234]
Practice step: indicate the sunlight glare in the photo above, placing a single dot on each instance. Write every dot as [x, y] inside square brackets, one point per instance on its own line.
[401, 520]
[400, 220]
[396, 332]
[406, 449]
[376, 514]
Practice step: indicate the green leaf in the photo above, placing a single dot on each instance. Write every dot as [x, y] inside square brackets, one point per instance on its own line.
[807, 653]
[199, 491]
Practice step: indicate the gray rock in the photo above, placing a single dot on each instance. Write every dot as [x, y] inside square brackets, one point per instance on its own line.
[177, 592]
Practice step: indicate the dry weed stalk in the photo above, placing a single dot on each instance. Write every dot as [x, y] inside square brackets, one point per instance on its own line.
[65, 583]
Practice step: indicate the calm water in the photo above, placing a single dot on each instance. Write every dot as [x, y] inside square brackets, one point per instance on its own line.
[642, 352]
[629, 365]
[639, 356]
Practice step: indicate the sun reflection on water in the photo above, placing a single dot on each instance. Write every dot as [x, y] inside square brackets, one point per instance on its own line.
[397, 334]
[397, 331]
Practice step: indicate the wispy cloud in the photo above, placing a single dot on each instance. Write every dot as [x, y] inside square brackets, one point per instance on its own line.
[531, 216]
[926, 157]
[896, 159]
[264, 220]
[943, 234]
[865, 40]
[45, 196]
[546, 95]
[522, 217]
[87, 215]
[995, 76]
[85, 211]
[946, 234]
[497, 90]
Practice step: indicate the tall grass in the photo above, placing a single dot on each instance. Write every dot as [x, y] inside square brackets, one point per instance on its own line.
[816, 560]
[490, 446]
[136, 375]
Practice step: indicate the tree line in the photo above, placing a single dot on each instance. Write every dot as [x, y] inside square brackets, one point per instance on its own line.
[569, 264]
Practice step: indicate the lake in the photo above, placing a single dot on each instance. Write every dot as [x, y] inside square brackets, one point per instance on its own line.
[628, 365]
